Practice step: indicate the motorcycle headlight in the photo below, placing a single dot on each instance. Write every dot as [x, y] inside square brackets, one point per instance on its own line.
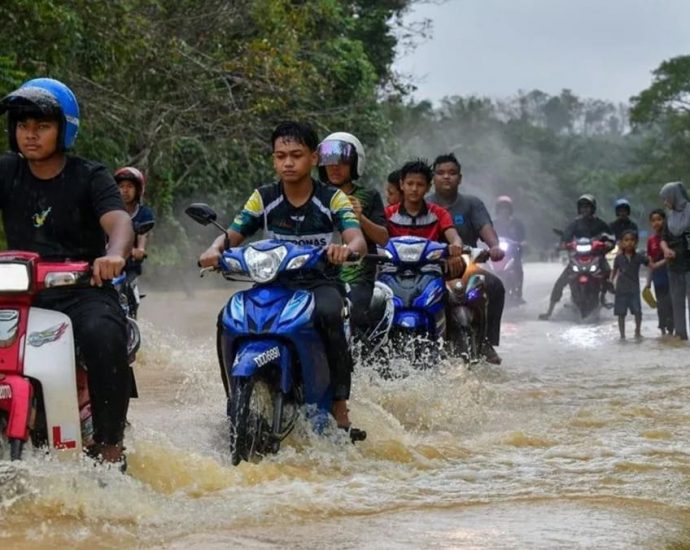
[263, 264]
[583, 248]
[592, 268]
[297, 261]
[14, 277]
[434, 255]
[409, 253]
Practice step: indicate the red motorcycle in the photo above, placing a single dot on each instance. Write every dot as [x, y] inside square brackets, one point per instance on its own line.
[43, 394]
[587, 278]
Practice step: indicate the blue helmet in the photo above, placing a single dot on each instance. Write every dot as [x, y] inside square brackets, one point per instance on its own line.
[622, 203]
[43, 97]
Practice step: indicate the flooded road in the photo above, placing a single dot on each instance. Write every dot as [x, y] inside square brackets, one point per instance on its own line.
[576, 441]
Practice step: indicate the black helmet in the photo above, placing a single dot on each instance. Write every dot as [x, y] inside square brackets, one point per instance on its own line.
[587, 199]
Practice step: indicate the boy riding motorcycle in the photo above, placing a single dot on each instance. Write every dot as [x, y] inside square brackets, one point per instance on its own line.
[62, 206]
[341, 161]
[298, 208]
[416, 217]
[132, 184]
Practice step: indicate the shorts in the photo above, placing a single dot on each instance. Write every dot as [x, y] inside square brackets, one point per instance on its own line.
[627, 301]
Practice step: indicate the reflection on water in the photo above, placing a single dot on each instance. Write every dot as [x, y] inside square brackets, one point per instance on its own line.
[576, 441]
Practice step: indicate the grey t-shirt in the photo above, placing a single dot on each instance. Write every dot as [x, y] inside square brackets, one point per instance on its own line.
[469, 216]
[628, 269]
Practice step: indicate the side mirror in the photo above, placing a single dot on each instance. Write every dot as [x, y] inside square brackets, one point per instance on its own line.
[144, 227]
[201, 213]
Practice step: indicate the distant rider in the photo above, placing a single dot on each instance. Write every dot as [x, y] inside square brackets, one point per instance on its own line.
[298, 208]
[472, 222]
[64, 207]
[587, 225]
[622, 223]
[509, 227]
[341, 161]
[132, 184]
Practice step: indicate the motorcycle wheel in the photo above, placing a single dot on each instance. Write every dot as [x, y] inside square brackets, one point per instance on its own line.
[469, 349]
[248, 411]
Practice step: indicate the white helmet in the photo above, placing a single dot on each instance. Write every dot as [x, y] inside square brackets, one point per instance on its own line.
[342, 147]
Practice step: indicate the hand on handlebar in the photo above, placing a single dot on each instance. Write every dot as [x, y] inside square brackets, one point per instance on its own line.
[496, 254]
[106, 268]
[338, 254]
[210, 258]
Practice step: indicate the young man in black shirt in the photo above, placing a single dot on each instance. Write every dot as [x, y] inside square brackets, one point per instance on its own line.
[64, 207]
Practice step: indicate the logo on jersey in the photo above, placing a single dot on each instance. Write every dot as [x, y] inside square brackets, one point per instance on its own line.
[459, 219]
[40, 219]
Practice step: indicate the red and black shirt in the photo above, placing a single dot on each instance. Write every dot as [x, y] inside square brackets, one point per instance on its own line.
[430, 222]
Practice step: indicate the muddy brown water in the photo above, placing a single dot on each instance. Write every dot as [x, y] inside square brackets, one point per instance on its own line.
[576, 441]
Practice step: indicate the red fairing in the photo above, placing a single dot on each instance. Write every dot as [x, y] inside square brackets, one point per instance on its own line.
[45, 268]
[17, 405]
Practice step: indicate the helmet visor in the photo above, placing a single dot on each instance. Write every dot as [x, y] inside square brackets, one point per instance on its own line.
[336, 152]
[31, 102]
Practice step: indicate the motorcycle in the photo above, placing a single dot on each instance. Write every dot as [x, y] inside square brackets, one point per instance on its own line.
[381, 313]
[587, 278]
[509, 270]
[271, 355]
[468, 301]
[412, 270]
[44, 394]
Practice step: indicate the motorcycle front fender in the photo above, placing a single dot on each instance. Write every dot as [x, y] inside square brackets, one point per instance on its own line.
[252, 355]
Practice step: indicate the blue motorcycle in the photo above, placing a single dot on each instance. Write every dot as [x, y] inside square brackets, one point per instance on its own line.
[272, 357]
[413, 270]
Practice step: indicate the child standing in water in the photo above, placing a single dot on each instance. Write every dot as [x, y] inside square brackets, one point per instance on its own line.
[626, 274]
[658, 272]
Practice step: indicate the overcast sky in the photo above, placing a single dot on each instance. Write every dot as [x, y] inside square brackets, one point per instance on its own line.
[598, 48]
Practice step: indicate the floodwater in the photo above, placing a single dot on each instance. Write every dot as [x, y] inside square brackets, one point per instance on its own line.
[576, 441]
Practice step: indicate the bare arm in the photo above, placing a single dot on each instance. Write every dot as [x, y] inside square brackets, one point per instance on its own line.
[376, 233]
[118, 226]
[455, 263]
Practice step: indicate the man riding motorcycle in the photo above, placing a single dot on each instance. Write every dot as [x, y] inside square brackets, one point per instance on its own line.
[472, 222]
[509, 227]
[64, 207]
[300, 209]
[585, 225]
[341, 161]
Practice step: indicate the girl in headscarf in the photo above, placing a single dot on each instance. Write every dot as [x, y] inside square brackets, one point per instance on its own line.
[676, 246]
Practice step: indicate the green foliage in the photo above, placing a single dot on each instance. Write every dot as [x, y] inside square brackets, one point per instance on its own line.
[190, 90]
[661, 117]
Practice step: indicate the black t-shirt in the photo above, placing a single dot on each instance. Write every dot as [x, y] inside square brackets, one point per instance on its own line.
[57, 218]
[586, 228]
[619, 225]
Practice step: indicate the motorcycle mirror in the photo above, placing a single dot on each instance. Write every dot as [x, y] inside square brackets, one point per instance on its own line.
[558, 232]
[201, 213]
[142, 228]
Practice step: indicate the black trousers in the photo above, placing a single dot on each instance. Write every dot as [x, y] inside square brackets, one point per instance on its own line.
[100, 335]
[328, 316]
[494, 311]
[360, 296]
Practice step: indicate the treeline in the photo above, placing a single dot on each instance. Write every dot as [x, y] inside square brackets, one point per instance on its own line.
[189, 90]
[542, 150]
